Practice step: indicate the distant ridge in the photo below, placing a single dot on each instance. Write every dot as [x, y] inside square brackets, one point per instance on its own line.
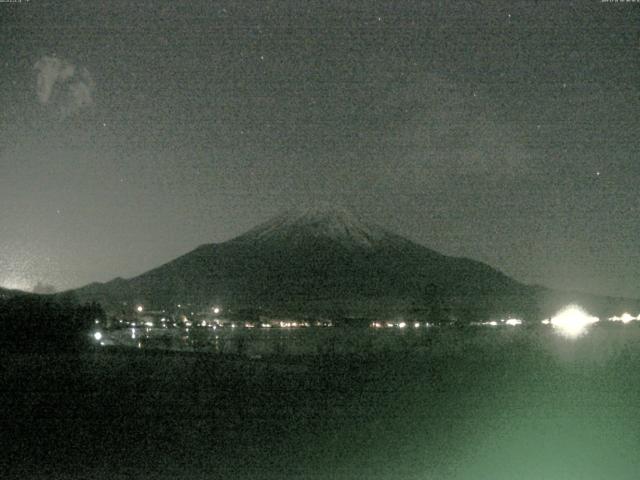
[8, 292]
[326, 261]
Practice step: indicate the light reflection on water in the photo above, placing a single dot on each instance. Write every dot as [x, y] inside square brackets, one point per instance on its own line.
[561, 340]
[499, 413]
[256, 342]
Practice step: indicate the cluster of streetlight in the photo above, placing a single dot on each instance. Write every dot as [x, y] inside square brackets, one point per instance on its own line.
[624, 318]
[400, 324]
[571, 322]
[511, 322]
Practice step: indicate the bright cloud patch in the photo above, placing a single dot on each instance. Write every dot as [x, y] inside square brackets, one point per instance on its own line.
[63, 85]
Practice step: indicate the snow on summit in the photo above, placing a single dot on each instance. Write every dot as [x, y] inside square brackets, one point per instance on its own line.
[322, 222]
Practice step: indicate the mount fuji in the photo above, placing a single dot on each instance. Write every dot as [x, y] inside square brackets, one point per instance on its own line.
[325, 262]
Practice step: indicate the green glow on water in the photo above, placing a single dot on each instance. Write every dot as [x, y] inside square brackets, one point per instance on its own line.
[482, 403]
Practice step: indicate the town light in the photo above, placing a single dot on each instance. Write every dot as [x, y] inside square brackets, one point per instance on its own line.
[97, 336]
[139, 308]
[572, 321]
[626, 318]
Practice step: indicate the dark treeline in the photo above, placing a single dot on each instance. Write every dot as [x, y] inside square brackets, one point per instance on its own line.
[45, 322]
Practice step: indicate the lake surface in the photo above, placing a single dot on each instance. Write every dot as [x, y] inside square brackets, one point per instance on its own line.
[301, 341]
[258, 342]
[478, 403]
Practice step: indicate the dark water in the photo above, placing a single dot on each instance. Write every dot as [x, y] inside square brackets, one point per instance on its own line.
[265, 342]
[445, 404]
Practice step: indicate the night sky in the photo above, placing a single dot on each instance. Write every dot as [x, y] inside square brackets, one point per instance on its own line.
[502, 131]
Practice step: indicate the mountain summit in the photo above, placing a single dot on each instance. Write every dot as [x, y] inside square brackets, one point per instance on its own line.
[329, 223]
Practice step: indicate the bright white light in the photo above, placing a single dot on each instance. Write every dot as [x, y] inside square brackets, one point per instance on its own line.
[572, 321]
[96, 321]
[204, 323]
[416, 325]
[626, 318]
[493, 323]
[149, 324]
[97, 336]
[216, 310]
[546, 321]
[513, 322]
[139, 308]
[402, 325]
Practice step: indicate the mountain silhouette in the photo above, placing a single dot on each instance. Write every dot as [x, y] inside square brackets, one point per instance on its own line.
[328, 262]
